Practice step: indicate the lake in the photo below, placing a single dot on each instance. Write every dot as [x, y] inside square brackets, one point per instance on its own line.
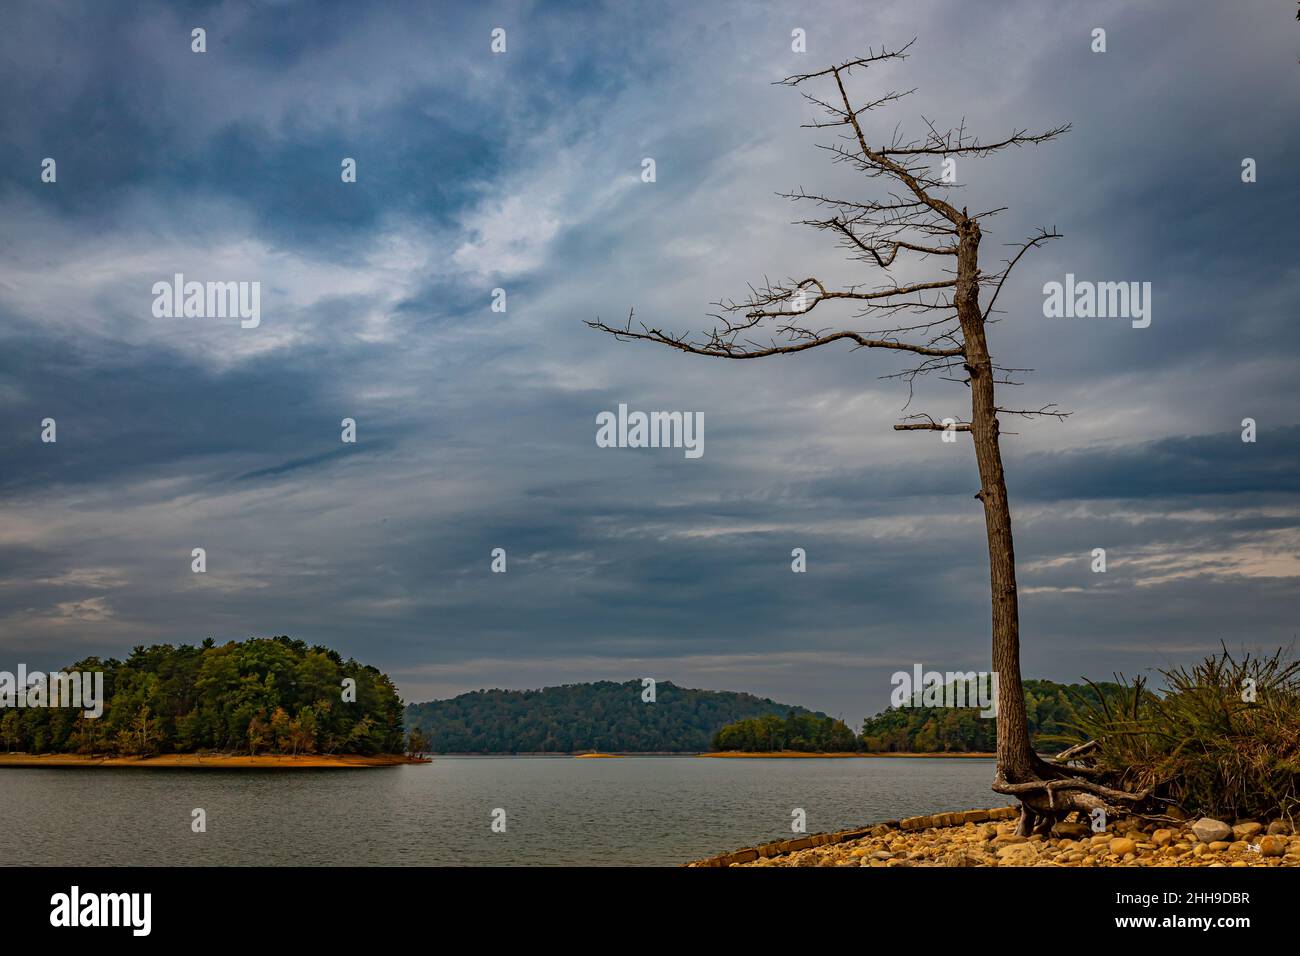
[558, 810]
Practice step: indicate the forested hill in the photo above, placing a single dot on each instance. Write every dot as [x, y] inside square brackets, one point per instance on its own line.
[605, 716]
[263, 695]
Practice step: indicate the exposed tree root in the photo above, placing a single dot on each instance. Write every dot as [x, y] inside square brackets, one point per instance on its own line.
[1058, 793]
[1078, 750]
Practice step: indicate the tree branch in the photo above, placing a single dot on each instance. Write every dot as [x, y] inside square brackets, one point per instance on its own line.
[719, 347]
[1031, 243]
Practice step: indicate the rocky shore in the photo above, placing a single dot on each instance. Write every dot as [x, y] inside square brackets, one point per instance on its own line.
[987, 838]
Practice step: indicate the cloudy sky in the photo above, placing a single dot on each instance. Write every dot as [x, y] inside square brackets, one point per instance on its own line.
[476, 429]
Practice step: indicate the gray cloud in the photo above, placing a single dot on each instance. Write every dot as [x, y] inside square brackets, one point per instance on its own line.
[477, 428]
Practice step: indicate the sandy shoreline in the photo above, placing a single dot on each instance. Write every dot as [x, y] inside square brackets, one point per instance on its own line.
[209, 761]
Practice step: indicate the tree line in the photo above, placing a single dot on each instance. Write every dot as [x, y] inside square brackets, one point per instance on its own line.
[264, 695]
[1050, 708]
[806, 733]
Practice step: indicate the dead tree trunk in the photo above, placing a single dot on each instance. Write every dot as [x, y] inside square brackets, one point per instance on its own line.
[949, 333]
[1015, 757]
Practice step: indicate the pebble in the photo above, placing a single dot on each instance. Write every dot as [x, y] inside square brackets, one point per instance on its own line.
[1249, 843]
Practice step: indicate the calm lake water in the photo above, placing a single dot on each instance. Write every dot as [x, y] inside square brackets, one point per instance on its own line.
[559, 811]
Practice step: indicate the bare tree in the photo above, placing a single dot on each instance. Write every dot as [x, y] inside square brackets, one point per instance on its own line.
[943, 322]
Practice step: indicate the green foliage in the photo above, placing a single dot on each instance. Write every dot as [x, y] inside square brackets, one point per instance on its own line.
[1198, 743]
[1049, 707]
[807, 733]
[572, 718]
[261, 695]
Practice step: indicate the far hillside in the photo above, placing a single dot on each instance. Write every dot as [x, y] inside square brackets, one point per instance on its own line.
[573, 718]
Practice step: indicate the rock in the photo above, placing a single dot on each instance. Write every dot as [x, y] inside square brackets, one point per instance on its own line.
[973, 844]
[1016, 854]
[1209, 830]
[1272, 846]
[1070, 829]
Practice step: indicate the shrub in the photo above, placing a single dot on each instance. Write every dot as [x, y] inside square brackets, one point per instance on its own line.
[1202, 743]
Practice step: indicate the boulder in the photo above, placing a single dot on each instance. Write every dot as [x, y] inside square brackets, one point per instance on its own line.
[1209, 830]
[1247, 829]
[1121, 845]
[1272, 846]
